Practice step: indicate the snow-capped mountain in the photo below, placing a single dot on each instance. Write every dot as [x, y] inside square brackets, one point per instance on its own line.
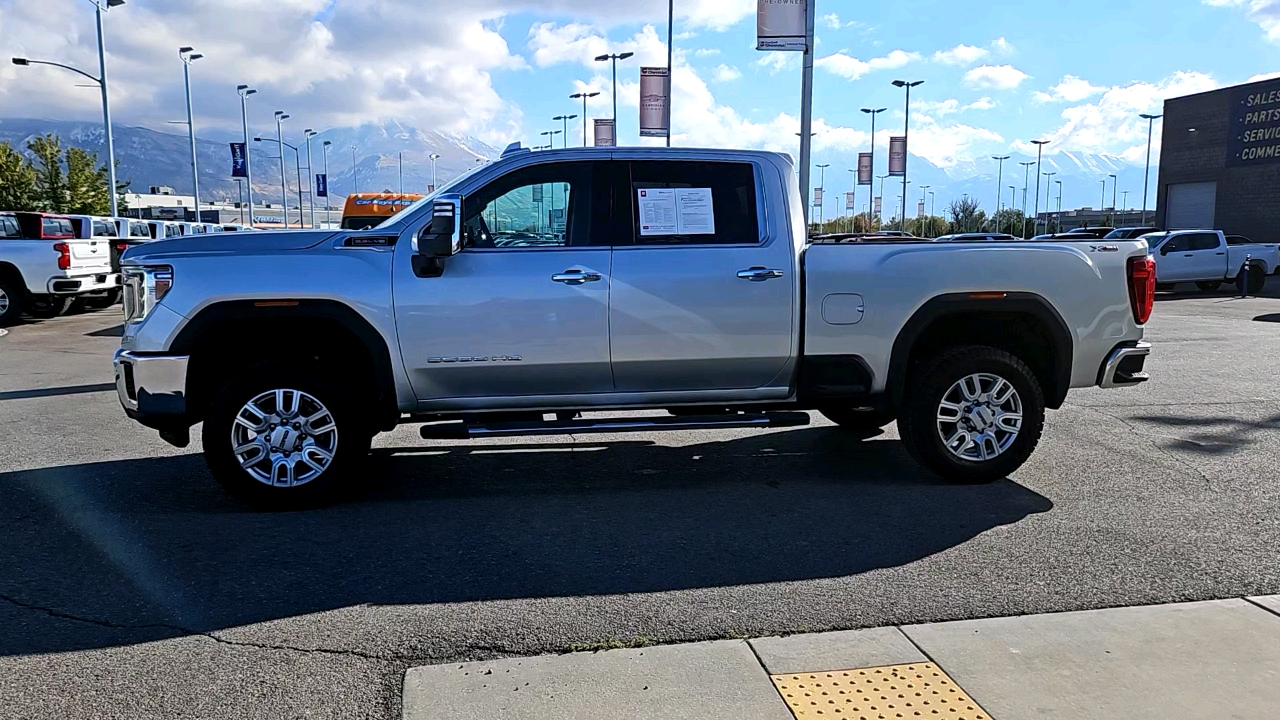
[149, 157]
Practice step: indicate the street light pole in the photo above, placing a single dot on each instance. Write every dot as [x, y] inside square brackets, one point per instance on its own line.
[244, 91]
[822, 185]
[106, 103]
[924, 194]
[999, 185]
[1039, 164]
[906, 131]
[853, 211]
[671, 71]
[284, 186]
[1026, 185]
[584, 96]
[1146, 178]
[880, 215]
[565, 120]
[933, 208]
[189, 57]
[1048, 188]
[311, 180]
[614, 58]
[435, 181]
[324, 148]
[402, 172]
[1115, 188]
[355, 179]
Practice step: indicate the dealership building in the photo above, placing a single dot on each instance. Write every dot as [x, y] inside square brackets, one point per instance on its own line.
[1220, 162]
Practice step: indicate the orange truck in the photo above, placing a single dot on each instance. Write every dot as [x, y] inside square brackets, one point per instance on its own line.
[366, 210]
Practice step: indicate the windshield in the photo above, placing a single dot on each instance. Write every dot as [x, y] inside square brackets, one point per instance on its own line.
[447, 187]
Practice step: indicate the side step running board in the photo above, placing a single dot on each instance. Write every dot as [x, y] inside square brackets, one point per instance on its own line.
[464, 431]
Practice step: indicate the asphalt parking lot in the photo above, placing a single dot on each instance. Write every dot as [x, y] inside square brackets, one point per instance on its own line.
[131, 587]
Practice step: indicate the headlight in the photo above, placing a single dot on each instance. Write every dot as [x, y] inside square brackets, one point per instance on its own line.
[144, 288]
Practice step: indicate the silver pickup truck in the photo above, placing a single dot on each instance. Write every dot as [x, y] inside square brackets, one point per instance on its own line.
[548, 292]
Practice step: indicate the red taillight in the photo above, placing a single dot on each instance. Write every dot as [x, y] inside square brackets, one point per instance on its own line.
[122, 246]
[1142, 288]
[64, 255]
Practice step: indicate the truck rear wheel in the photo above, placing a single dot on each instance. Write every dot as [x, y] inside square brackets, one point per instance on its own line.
[11, 305]
[46, 307]
[972, 415]
[284, 436]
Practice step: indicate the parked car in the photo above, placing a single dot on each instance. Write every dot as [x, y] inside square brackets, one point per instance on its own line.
[1205, 258]
[681, 281]
[978, 237]
[1097, 232]
[1130, 233]
[44, 266]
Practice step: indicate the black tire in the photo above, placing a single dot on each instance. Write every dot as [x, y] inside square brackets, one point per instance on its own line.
[104, 301]
[1209, 286]
[12, 301]
[1255, 276]
[860, 422]
[47, 307]
[350, 443]
[934, 380]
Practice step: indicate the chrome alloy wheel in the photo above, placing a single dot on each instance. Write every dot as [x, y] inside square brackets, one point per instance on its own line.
[979, 417]
[284, 438]
[4, 301]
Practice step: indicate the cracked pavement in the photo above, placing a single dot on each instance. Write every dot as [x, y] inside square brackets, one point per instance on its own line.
[131, 587]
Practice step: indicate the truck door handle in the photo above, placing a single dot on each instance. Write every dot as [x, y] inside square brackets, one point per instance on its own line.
[577, 277]
[1219, 253]
[759, 274]
[1188, 255]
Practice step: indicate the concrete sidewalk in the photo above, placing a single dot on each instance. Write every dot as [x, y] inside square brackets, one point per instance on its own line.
[1218, 659]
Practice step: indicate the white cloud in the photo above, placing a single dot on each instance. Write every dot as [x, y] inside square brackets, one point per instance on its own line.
[1266, 13]
[1070, 89]
[831, 20]
[1002, 46]
[706, 52]
[961, 55]
[725, 73]
[998, 77]
[938, 107]
[851, 68]
[949, 145]
[1111, 125]
[1264, 76]
[779, 61]
[983, 103]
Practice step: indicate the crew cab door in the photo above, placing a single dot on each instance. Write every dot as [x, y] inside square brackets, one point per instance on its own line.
[523, 310]
[1184, 259]
[703, 296]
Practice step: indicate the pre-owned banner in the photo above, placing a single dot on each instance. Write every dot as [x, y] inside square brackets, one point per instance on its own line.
[817, 197]
[605, 133]
[898, 156]
[780, 25]
[238, 166]
[864, 169]
[875, 207]
[655, 98]
[848, 201]
[920, 209]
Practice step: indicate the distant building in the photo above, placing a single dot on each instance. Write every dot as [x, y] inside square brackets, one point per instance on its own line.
[1220, 162]
[1089, 217]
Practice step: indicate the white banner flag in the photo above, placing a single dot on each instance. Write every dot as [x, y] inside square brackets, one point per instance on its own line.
[898, 156]
[920, 209]
[655, 98]
[605, 133]
[848, 201]
[876, 207]
[780, 25]
[817, 197]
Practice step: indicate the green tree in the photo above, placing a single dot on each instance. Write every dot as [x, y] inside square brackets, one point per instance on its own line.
[966, 215]
[51, 182]
[87, 183]
[17, 180]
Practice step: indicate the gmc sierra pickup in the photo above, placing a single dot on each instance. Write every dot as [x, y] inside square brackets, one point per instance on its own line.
[540, 292]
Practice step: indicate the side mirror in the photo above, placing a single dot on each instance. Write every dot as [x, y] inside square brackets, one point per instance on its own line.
[442, 237]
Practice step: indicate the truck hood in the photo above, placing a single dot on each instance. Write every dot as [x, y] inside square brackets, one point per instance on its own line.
[232, 243]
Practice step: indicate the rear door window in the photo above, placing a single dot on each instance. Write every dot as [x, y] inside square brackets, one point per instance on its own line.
[102, 228]
[693, 203]
[1204, 241]
[9, 228]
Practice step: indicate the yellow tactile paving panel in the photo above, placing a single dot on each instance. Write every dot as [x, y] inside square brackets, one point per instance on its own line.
[919, 690]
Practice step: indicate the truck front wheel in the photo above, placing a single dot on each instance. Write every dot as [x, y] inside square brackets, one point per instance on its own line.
[972, 414]
[47, 307]
[11, 295]
[284, 436]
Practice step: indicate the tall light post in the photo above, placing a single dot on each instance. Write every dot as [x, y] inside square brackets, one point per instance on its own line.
[1059, 184]
[822, 185]
[906, 131]
[1115, 187]
[188, 57]
[100, 6]
[1126, 201]
[244, 91]
[1048, 188]
[311, 180]
[853, 210]
[584, 96]
[614, 58]
[402, 172]
[565, 120]
[1102, 209]
[999, 185]
[1013, 200]
[435, 182]
[880, 215]
[297, 155]
[1026, 185]
[324, 149]
[1146, 178]
[924, 195]
[284, 187]
[671, 71]
[933, 207]
[355, 179]
[551, 137]
[1039, 164]
[873, 113]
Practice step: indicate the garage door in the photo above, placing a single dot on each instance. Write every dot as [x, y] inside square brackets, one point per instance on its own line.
[1191, 206]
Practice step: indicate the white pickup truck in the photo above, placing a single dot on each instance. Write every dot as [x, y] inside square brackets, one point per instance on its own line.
[557, 292]
[1209, 258]
[45, 265]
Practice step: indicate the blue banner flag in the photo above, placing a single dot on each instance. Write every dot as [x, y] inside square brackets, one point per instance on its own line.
[322, 185]
[239, 166]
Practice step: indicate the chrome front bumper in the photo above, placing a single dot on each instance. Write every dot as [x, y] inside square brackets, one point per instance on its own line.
[1124, 366]
[151, 387]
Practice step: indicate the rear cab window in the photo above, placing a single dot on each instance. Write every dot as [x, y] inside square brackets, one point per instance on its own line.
[676, 202]
[102, 228]
[9, 227]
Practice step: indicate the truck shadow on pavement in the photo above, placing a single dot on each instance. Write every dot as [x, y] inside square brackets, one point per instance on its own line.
[100, 555]
[1215, 435]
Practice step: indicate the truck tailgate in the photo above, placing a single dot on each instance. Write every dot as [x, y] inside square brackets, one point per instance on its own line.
[89, 256]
